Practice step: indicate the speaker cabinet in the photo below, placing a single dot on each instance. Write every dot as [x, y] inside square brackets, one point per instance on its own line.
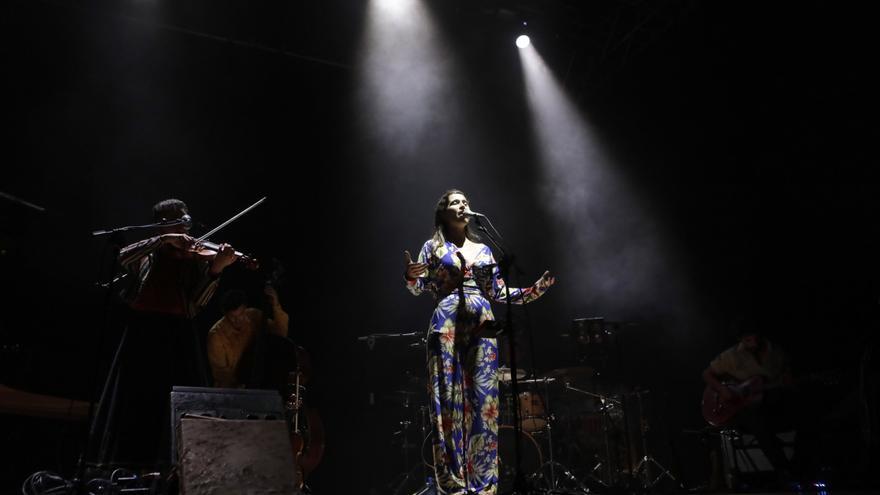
[219, 456]
[225, 403]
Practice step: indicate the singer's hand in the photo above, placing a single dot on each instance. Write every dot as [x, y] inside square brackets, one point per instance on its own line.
[546, 280]
[413, 270]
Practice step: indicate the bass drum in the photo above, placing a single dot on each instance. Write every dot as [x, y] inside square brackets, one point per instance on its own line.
[532, 459]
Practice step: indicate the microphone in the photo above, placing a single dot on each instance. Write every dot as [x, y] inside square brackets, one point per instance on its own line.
[184, 220]
[473, 214]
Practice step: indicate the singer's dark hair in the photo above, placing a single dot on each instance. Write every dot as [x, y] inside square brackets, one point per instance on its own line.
[232, 299]
[169, 209]
[439, 235]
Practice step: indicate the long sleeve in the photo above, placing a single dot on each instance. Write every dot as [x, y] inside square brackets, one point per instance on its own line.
[417, 286]
[517, 295]
[163, 283]
[135, 252]
[204, 285]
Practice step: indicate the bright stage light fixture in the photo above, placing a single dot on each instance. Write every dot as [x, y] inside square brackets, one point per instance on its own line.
[523, 41]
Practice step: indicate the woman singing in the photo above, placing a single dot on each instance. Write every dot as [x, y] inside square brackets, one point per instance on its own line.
[462, 275]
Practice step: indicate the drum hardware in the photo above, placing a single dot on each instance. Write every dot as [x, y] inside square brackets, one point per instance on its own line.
[643, 468]
[538, 380]
[607, 401]
[558, 486]
[533, 415]
[594, 342]
[605, 472]
[537, 422]
[556, 483]
[409, 476]
[625, 408]
[505, 376]
[576, 374]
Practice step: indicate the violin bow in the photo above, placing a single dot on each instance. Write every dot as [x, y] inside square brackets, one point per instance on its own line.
[234, 218]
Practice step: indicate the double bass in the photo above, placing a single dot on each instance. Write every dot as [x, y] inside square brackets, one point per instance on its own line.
[280, 364]
[306, 427]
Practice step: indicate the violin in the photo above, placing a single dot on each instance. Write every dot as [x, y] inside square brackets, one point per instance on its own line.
[209, 249]
[205, 248]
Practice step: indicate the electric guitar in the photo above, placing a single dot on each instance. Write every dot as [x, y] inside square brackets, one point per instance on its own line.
[718, 411]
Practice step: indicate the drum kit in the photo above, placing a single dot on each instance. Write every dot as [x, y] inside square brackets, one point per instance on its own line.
[579, 431]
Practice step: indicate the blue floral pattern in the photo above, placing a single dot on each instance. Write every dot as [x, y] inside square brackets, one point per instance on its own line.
[463, 367]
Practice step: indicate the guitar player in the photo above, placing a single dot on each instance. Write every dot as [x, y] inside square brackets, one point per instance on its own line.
[755, 356]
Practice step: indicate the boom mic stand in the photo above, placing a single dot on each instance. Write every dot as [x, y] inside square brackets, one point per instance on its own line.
[506, 261]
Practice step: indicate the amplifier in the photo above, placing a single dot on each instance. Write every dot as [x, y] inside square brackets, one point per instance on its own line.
[222, 403]
[236, 456]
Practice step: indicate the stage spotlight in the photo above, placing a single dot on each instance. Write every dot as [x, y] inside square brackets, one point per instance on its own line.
[523, 41]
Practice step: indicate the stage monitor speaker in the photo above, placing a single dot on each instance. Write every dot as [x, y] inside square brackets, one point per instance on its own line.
[236, 456]
[222, 403]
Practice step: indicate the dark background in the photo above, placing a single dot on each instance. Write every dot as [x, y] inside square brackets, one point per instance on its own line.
[744, 126]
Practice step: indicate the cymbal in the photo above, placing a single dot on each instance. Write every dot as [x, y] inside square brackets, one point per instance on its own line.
[538, 380]
[574, 373]
[505, 375]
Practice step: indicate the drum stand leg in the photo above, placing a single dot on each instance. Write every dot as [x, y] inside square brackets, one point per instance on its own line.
[647, 461]
[428, 489]
[646, 481]
[410, 477]
[565, 471]
[566, 474]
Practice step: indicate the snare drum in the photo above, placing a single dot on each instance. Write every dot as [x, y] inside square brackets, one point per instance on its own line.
[532, 412]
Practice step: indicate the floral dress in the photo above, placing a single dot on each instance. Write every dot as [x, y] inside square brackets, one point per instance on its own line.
[462, 367]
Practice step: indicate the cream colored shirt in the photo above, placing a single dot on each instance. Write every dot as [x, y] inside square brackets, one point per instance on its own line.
[227, 343]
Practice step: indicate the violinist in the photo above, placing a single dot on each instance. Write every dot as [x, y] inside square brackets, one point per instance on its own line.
[235, 332]
[170, 279]
[171, 275]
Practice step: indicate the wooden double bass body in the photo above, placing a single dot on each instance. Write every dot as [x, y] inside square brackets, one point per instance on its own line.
[306, 427]
[280, 364]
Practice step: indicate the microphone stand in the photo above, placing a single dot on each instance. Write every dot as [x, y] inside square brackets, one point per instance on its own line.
[115, 235]
[505, 262]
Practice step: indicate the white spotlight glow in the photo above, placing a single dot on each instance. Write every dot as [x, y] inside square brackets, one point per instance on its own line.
[523, 41]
